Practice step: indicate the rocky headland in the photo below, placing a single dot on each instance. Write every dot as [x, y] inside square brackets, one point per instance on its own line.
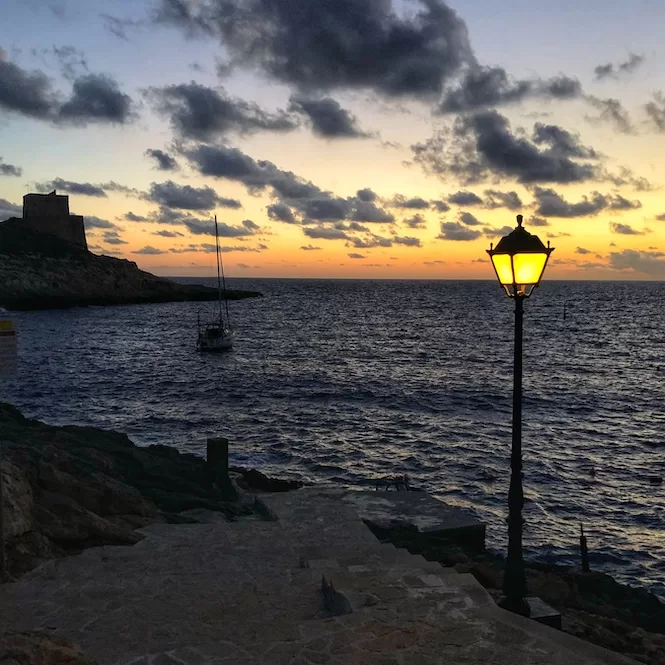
[41, 271]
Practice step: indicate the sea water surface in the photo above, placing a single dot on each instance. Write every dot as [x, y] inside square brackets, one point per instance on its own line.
[351, 380]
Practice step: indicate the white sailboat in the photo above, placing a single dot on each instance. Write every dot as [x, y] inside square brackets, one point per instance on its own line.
[217, 335]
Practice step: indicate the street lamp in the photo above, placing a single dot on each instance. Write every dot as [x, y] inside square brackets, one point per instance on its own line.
[519, 260]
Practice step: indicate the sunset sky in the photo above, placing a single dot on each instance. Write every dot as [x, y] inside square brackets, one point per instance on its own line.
[342, 138]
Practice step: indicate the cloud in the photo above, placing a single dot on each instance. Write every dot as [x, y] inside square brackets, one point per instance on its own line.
[581, 250]
[199, 112]
[497, 233]
[648, 263]
[119, 26]
[353, 255]
[364, 211]
[482, 146]
[8, 210]
[329, 44]
[168, 234]
[281, 213]
[626, 229]
[80, 188]
[10, 170]
[207, 227]
[415, 222]
[656, 111]
[551, 204]
[608, 70]
[97, 98]
[465, 199]
[92, 222]
[372, 240]
[27, 93]
[131, 217]
[497, 199]
[457, 231]
[366, 195]
[326, 233]
[150, 250]
[468, 219]
[660, 218]
[163, 160]
[440, 206]
[327, 118]
[186, 197]
[408, 241]
[309, 248]
[537, 221]
[112, 238]
[611, 112]
[486, 87]
[415, 203]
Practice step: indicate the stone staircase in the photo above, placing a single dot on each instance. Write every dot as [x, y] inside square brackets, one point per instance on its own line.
[248, 593]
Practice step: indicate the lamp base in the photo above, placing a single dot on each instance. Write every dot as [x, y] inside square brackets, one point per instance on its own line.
[515, 605]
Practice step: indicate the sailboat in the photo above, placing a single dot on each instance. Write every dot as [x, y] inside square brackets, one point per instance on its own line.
[217, 335]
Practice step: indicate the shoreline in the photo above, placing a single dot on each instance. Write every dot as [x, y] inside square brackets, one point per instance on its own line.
[69, 488]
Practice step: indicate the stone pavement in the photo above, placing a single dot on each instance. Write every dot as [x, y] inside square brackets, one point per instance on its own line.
[248, 593]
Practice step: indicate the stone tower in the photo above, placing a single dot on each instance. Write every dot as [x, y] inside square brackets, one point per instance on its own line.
[49, 213]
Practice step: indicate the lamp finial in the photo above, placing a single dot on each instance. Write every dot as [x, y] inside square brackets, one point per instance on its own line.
[519, 220]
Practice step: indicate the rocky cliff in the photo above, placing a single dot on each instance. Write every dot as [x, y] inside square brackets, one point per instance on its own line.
[38, 271]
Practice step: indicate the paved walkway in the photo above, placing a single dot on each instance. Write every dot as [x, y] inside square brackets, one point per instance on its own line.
[247, 593]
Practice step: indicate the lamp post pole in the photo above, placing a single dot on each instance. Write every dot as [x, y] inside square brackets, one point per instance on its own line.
[514, 579]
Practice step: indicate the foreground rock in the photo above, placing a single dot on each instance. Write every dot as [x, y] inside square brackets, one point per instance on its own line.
[38, 271]
[37, 648]
[593, 606]
[69, 488]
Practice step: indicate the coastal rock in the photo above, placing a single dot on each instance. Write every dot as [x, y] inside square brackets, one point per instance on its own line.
[18, 500]
[252, 479]
[39, 271]
[36, 648]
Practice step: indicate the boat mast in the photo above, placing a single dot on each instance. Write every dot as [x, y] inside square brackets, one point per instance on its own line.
[221, 279]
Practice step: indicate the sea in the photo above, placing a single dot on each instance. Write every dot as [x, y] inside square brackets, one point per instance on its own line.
[348, 381]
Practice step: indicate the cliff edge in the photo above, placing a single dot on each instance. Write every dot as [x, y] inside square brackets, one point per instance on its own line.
[41, 271]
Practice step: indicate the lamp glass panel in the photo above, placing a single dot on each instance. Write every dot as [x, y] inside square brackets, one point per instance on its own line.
[503, 267]
[529, 267]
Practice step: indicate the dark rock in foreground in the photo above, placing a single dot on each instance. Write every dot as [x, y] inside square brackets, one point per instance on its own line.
[39, 271]
[39, 648]
[68, 488]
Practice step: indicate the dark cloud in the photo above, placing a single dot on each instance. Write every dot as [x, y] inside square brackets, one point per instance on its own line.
[366, 195]
[612, 112]
[163, 160]
[10, 170]
[469, 219]
[131, 217]
[281, 213]
[660, 218]
[416, 222]
[92, 222]
[457, 231]
[465, 199]
[608, 70]
[120, 26]
[326, 233]
[496, 199]
[8, 210]
[150, 250]
[365, 211]
[486, 87]
[491, 232]
[552, 204]
[415, 203]
[370, 241]
[625, 229]
[408, 241]
[97, 98]
[482, 146]
[333, 44]
[327, 118]
[581, 250]
[168, 234]
[538, 221]
[80, 188]
[207, 227]
[185, 197]
[27, 93]
[199, 112]
[71, 61]
[655, 111]
[648, 263]
[309, 248]
[440, 206]
[112, 238]
[356, 256]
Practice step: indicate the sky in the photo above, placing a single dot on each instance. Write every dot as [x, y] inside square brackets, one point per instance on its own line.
[342, 138]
